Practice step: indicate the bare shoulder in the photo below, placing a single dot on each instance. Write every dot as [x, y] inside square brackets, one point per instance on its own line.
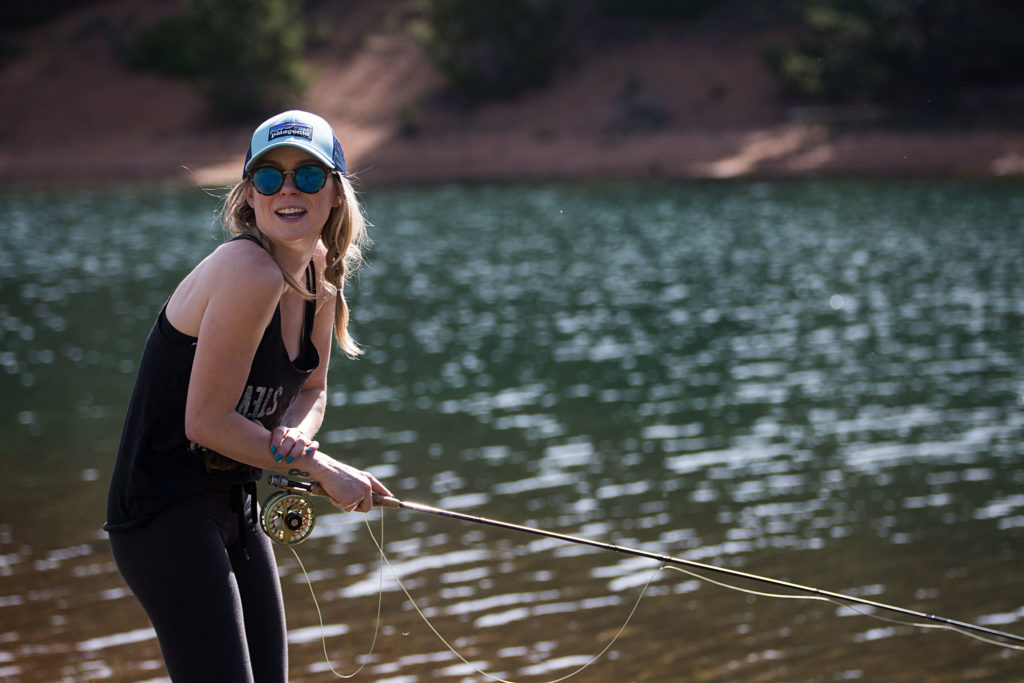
[246, 262]
[236, 272]
[242, 285]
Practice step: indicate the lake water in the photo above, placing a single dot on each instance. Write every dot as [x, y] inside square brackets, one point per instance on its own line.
[821, 382]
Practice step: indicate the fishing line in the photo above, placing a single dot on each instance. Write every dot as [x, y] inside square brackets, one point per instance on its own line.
[990, 635]
[750, 591]
[320, 616]
[290, 517]
[483, 673]
[291, 542]
[849, 605]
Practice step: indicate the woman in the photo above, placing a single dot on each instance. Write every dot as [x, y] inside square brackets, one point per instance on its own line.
[232, 380]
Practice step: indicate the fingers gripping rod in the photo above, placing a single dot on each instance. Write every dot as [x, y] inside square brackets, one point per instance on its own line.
[313, 488]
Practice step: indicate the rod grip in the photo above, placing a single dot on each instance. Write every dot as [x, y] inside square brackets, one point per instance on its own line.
[315, 489]
[382, 501]
[379, 500]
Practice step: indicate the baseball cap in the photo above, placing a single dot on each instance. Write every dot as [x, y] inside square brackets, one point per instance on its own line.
[300, 129]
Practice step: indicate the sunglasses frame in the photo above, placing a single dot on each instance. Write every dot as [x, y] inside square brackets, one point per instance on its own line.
[283, 174]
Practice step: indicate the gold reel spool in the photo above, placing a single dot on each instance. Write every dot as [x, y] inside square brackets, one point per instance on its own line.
[287, 518]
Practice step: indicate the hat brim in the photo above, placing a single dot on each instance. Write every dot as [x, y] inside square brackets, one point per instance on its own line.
[304, 145]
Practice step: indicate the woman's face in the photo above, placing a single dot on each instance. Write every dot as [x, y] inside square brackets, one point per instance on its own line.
[290, 215]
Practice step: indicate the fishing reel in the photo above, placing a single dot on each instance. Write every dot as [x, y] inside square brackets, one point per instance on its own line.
[288, 516]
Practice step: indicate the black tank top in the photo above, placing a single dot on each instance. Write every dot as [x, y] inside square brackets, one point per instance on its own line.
[157, 466]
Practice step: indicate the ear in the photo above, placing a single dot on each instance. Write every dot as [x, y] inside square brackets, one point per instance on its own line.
[339, 194]
[248, 197]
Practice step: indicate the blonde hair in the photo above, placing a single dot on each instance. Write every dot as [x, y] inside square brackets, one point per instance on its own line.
[344, 234]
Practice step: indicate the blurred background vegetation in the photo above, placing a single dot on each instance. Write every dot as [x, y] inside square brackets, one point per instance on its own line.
[248, 56]
[937, 53]
[241, 54]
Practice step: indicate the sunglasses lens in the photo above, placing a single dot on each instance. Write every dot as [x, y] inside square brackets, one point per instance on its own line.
[267, 180]
[310, 179]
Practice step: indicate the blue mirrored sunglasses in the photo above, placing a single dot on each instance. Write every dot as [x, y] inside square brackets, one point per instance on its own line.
[309, 179]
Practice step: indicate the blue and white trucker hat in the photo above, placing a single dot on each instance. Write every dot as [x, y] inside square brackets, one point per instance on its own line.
[296, 129]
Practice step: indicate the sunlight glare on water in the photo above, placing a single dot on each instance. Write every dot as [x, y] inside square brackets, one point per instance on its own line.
[815, 381]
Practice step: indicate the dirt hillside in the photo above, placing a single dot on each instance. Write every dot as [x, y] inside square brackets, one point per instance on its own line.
[674, 101]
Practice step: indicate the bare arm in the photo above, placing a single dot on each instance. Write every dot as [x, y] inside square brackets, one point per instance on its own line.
[233, 299]
[231, 296]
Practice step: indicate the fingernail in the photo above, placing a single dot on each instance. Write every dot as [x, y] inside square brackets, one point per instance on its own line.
[278, 458]
[289, 460]
[273, 449]
[309, 450]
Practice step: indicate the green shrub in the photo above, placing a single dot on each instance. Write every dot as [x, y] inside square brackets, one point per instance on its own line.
[169, 47]
[245, 56]
[849, 55]
[491, 48]
[918, 52]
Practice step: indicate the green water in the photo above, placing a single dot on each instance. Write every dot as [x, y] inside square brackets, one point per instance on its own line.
[821, 382]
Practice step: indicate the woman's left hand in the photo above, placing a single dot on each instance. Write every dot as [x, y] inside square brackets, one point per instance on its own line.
[288, 443]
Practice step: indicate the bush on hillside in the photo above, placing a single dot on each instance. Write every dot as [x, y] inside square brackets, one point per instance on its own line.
[245, 56]
[490, 49]
[904, 52]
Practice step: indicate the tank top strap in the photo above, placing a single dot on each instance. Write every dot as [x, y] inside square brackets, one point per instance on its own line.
[309, 316]
[251, 238]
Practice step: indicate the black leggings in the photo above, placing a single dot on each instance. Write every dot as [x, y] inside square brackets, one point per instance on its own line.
[218, 614]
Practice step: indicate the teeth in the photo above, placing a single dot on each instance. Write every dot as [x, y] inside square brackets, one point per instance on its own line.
[290, 212]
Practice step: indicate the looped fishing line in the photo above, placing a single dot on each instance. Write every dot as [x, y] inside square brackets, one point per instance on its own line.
[385, 561]
[426, 619]
[458, 655]
[320, 616]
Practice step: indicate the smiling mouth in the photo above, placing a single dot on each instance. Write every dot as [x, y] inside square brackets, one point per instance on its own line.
[290, 212]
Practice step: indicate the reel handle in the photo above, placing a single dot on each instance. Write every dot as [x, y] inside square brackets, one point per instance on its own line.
[315, 489]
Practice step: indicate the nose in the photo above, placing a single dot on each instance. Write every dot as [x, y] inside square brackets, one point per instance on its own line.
[288, 185]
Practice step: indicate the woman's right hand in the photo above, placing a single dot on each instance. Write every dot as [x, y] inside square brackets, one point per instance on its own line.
[350, 489]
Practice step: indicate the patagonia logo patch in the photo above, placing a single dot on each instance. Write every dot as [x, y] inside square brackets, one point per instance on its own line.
[291, 129]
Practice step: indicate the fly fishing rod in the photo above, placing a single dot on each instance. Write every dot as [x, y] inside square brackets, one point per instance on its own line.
[294, 518]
